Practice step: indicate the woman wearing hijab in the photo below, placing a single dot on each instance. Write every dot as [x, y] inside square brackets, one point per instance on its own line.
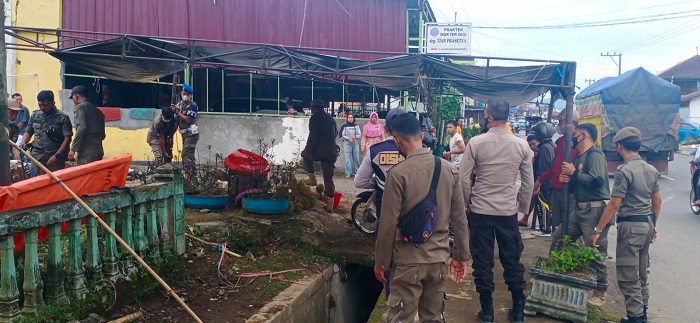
[350, 133]
[372, 133]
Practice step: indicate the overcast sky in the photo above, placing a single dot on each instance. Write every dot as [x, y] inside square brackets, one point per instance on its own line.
[655, 46]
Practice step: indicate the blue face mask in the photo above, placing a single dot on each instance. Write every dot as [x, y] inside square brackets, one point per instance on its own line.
[10, 121]
[165, 120]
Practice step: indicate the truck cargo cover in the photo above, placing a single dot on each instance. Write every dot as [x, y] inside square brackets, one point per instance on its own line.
[637, 99]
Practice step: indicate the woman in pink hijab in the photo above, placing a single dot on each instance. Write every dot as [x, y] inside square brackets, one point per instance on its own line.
[372, 133]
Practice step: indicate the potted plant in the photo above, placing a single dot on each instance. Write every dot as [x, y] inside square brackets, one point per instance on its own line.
[275, 189]
[563, 282]
[203, 189]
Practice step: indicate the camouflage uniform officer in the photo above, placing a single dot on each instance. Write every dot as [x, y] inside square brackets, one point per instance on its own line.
[636, 199]
[52, 132]
[160, 136]
[186, 111]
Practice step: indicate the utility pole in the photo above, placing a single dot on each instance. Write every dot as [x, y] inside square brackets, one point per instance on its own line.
[590, 81]
[619, 60]
[5, 175]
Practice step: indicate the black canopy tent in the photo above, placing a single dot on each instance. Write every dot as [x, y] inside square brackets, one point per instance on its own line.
[141, 59]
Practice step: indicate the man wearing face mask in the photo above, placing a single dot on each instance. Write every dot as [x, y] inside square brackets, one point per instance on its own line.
[160, 136]
[588, 176]
[493, 201]
[186, 113]
[13, 130]
[552, 175]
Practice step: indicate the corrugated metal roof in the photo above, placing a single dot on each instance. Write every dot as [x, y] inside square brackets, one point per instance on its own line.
[373, 25]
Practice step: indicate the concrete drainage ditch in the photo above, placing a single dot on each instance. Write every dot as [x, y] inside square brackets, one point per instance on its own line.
[337, 295]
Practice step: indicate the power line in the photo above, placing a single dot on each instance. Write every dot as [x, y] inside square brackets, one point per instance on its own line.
[671, 33]
[625, 21]
[525, 46]
[621, 11]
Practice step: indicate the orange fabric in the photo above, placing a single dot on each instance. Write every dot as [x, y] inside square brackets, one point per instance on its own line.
[86, 179]
[111, 114]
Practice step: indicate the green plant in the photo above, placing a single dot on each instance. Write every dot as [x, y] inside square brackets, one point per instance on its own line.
[204, 180]
[572, 257]
[273, 179]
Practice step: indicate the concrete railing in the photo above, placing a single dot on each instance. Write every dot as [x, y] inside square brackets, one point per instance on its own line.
[150, 218]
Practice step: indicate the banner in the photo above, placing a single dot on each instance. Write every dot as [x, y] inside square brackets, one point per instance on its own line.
[447, 39]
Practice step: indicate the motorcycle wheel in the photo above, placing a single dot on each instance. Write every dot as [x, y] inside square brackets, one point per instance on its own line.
[694, 208]
[364, 216]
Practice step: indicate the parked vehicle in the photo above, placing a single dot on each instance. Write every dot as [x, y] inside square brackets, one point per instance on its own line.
[693, 180]
[426, 125]
[637, 99]
[363, 214]
[688, 130]
[515, 126]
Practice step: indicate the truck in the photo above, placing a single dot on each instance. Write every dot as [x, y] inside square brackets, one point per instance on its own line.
[637, 99]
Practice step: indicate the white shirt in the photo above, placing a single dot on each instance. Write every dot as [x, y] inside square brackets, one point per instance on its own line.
[455, 159]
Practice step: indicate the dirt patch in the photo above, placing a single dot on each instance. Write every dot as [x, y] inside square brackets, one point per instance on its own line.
[305, 243]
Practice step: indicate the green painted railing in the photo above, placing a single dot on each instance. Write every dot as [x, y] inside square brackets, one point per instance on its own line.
[150, 218]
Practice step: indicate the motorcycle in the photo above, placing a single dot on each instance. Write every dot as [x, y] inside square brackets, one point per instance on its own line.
[693, 207]
[364, 216]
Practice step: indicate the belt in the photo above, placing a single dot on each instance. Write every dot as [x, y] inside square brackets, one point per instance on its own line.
[633, 218]
[583, 205]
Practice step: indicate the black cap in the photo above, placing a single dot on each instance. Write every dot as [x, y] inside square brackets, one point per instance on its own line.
[79, 90]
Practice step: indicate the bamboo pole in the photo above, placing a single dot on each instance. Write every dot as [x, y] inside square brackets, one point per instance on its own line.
[128, 318]
[111, 232]
[212, 244]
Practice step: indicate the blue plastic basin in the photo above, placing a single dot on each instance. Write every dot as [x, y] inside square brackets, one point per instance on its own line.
[206, 202]
[265, 206]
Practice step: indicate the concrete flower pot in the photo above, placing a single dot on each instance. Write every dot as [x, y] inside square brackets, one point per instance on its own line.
[558, 295]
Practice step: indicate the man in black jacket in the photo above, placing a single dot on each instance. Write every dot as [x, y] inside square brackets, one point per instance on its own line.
[321, 147]
[545, 155]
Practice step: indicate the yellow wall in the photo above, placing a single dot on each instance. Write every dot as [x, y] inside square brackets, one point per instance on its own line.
[121, 141]
[39, 14]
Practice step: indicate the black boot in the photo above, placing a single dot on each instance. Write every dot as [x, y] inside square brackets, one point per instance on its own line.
[643, 318]
[486, 313]
[631, 319]
[517, 313]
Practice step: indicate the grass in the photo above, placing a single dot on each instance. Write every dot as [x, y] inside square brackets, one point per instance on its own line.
[376, 316]
[601, 315]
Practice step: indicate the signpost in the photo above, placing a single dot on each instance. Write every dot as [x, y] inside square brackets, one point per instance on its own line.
[444, 38]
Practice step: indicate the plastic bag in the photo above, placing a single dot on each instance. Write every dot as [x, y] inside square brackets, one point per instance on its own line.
[245, 161]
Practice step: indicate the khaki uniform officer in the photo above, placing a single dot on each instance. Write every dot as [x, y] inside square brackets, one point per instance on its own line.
[419, 271]
[52, 132]
[186, 111]
[89, 128]
[635, 197]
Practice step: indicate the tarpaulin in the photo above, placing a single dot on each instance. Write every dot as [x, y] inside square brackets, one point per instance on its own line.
[142, 59]
[111, 114]
[248, 162]
[637, 99]
[142, 113]
[85, 179]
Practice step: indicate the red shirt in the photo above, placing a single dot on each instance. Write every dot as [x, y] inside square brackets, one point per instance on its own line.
[552, 173]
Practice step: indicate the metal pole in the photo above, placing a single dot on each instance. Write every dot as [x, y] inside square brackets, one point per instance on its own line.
[250, 100]
[312, 89]
[567, 141]
[278, 94]
[207, 84]
[223, 96]
[5, 175]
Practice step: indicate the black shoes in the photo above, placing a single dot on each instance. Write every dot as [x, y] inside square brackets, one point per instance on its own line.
[486, 313]
[640, 319]
[517, 313]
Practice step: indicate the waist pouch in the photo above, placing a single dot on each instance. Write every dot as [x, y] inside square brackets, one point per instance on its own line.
[418, 225]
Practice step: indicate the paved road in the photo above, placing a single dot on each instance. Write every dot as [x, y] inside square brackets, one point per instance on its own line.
[675, 265]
